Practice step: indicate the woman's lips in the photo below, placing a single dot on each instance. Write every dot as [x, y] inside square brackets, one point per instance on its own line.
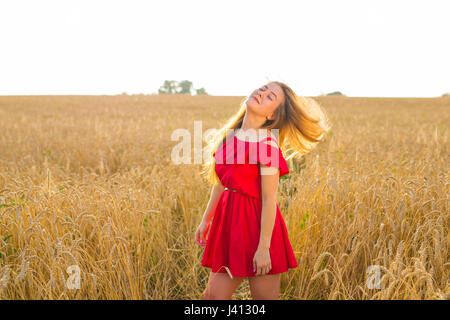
[255, 99]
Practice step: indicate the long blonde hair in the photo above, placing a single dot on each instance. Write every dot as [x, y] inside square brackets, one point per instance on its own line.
[301, 121]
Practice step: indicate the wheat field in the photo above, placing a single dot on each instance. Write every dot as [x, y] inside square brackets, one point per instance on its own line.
[87, 182]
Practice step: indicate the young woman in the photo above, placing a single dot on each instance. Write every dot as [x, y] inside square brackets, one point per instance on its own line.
[247, 233]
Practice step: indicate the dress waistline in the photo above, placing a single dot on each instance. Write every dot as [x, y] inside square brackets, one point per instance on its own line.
[244, 194]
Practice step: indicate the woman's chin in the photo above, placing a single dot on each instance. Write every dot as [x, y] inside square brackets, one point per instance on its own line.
[249, 103]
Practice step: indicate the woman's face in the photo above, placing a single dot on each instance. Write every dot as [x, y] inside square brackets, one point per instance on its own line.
[265, 100]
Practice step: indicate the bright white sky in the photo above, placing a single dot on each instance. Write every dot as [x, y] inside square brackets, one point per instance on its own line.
[361, 48]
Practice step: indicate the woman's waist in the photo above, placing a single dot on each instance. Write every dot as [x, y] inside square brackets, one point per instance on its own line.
[238, 191]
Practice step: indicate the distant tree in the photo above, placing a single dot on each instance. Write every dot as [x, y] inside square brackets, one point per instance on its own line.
[169, 87]
[201, 91]
[447, 94]
[335, 93]
[184, 86]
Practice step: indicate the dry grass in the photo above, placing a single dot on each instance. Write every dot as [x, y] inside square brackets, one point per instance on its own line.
[88, 181]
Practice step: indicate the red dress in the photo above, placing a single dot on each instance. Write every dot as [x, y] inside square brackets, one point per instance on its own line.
[235, 228]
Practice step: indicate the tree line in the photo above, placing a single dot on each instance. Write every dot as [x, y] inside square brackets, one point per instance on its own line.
[179, 87]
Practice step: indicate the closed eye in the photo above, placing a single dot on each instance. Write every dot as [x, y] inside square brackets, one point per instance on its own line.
[264, 89]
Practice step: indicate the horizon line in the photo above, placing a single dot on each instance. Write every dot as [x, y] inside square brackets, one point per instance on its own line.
[211, 95]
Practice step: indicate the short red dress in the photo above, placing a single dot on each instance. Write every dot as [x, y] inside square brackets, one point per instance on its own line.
[235, 227]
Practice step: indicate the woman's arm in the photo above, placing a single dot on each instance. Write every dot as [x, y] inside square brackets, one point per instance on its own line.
[269, 185]
[262, 262]
[216, 192]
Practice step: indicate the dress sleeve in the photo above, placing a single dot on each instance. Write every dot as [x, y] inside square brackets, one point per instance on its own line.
[270, 156]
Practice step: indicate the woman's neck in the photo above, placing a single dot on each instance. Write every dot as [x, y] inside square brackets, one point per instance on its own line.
[251, 121]
[251, 127]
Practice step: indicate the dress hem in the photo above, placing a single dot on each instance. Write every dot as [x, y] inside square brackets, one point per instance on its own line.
[251, 275]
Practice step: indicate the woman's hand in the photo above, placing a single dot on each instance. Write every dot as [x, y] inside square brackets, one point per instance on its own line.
[200, 233]
[262, 263]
